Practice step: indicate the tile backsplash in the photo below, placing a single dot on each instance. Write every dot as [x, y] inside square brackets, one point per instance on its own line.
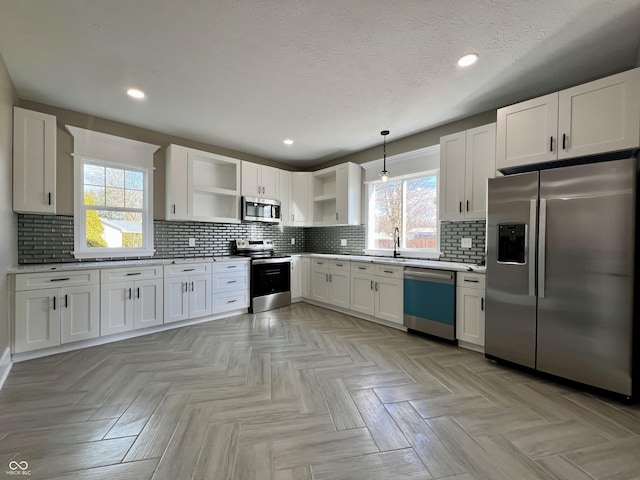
[49, 239]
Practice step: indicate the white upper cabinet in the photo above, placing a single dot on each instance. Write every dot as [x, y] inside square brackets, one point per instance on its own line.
[596, 117]
[34, 162]
[284, 195]
[337, 195]
[467, 160]
[259, 181]
[201, 186]
[301, 206]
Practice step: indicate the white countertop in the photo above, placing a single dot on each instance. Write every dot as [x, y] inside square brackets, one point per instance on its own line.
[405, 262]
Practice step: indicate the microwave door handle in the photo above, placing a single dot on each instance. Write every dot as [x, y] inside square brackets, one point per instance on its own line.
[531, 247]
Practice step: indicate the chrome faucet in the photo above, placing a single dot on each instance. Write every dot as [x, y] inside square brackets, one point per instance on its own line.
[396, 242]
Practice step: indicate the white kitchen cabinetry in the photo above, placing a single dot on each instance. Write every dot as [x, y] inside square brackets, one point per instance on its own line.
[596, 117]
[337, 195]
[377, 290]
[284, 195]
[34, 162]
[470, 294]
[467, 160]
[201, 186]
[301, 209]
[130, 299]
[55, 308]
[230, 289]
[330, 282]
[259, 181]
[305, 282]
[296, 277]
[187, 291]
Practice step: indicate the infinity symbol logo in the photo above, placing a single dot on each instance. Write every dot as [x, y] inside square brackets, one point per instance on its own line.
[13, 465]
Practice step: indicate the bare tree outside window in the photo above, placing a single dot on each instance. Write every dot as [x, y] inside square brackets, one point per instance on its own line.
[411, 206]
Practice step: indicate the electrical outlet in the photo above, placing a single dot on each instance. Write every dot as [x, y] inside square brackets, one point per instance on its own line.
[293, 241]
[343, 242]
[192, 242]
[465, 242]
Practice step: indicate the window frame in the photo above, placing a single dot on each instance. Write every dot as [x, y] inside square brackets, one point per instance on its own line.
[81, 251]
[405, 252]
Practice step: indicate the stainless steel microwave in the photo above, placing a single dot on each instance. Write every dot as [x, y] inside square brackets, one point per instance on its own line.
[261, 210]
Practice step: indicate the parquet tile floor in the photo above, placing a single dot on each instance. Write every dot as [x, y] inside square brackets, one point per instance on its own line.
[303, 393]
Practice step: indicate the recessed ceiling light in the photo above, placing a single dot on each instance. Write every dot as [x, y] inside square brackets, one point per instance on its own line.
[288, 141]
[468, 59]
[135, 93]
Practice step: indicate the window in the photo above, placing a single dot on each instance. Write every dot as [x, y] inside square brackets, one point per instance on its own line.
[410, 204]
[112, 217]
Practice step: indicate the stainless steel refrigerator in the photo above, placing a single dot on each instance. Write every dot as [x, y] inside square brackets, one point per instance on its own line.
[561, 261]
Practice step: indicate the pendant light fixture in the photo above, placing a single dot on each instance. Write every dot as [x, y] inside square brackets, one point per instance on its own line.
[384, 175]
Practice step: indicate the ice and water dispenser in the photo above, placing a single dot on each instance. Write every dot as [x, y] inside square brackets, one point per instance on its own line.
[511, 243]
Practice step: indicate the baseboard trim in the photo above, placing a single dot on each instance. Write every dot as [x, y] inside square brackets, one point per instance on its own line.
[5, 366]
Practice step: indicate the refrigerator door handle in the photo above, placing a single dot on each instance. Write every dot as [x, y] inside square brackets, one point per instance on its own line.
[533, 205]
[541, 246]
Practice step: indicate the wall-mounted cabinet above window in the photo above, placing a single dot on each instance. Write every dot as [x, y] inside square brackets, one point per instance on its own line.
[201, 186]
[34, 162]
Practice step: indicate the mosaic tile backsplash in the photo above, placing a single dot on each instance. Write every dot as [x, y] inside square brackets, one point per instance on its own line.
[49, 239]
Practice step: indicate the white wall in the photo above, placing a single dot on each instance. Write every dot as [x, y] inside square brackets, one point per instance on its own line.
[8, 222]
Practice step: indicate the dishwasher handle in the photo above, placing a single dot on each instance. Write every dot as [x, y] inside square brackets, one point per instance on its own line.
[429, 275]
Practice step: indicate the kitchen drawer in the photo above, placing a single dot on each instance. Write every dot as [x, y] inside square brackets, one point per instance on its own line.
[320, 264]
[110, 275]
[471, 280]
[187, 269]
[340, 265]
[389, 271]
[35, 281]
[228, 267]
[230, 282]
[223, 302]
[362, 267]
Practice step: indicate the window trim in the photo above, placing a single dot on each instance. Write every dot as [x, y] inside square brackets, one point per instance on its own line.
[81, 251]
[405, 252]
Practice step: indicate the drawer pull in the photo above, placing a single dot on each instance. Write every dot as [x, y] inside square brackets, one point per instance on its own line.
[60, 279]
[470, 280]
[231, 301]
[388, 271]
[188, 269]
[231, 266]
[134, 273]
[232, 281]
[339, 264]
[362, 268]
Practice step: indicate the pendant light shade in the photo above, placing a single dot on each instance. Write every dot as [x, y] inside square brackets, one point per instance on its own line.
[384, 175]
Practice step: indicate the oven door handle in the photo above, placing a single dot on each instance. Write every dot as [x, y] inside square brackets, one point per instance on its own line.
[262, 261]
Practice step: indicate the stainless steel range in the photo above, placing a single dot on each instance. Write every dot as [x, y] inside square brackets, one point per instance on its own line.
[270, 285]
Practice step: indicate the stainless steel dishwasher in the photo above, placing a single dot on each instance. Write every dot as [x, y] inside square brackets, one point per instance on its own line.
[430, 301]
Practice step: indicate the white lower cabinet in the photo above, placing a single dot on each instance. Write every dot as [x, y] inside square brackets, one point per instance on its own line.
[377, 290]
[127, 304]
[296, 276]
[230, 289]
[187, 291]
[470, 293]
[67, 311]
[330, 282]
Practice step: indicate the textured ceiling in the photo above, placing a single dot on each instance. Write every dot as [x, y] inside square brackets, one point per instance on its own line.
[330, 74]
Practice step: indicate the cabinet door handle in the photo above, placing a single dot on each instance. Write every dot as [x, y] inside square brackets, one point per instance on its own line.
[60, 279]
[134, 273]
[371, 287]
[326, 277]
[186, 286]
[54, 303]
[258, 189]
[66, 301]
[564, 141]
[130, 293]
[482, 304]
[138, 292]
[49, 198]
[174, 208]
[192, 287]
[551, 144]
[336, 215]
[467, 205]
[460, 207]
[376, 286]
[329, 277]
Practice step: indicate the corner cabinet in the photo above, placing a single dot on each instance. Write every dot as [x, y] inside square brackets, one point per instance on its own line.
[259, 181]
[56, 308]
[34, 162]
[337, 195]
[201, 186]
[467, 161]
[470, 295]
[596, 117]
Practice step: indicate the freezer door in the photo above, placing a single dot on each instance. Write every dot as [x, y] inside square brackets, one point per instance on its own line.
[510, 325]
[585, 276]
